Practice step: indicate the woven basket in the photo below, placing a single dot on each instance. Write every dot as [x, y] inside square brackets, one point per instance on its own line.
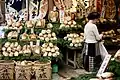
[42, 70]
[6, 70]
[23, 72]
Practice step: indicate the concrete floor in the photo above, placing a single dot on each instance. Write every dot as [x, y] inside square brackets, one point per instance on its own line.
[66, 73]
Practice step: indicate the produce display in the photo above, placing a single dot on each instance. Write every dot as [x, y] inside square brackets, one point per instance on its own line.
[24, 36]
[11, 49]
[75, 39]
[11, 24]
[47, 35]
[39, 23]
[29, 24]
[49, 25]
[37, 39]
[12, 35]
[28, 48]
[23, 63]
[68, 24]
[36, 50]
[33, 36]
[110, 33]
[48, 49]
[53, 15]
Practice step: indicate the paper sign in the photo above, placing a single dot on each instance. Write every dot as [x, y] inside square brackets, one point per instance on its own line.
[25, 30]
[32, 30]
[2, 33]
[38, 42]
[104, 65]
[31, 43]
[62, 13]
[18, 30]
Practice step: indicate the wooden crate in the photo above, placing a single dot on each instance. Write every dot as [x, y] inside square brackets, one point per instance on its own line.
[6, 70]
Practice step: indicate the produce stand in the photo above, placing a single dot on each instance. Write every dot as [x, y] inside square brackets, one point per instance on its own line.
[38, 35]
[75, 56]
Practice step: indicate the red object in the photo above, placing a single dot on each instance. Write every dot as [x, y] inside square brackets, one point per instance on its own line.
[99, 5]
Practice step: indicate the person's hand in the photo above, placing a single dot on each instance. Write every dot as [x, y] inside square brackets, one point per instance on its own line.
[101, 36]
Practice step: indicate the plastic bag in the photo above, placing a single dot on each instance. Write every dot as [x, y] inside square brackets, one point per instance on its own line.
[103, 51]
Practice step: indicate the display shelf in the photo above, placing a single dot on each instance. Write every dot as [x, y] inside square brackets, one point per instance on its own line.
[74, 60]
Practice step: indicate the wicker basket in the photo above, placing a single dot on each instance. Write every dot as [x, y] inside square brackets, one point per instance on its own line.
[42, 70]
[6, 70]
[23, 72]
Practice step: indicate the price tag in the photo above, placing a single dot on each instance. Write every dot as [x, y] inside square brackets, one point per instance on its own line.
[2, 33]
[38, 43]
[18, 30]
[32, 30]
[62, 13]
[31, 43]
[104, 65]
[25, 30]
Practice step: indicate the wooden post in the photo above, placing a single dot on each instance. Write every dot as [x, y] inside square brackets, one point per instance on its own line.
[50, 5]
[117, 2]
[1, 15]
[27, 7]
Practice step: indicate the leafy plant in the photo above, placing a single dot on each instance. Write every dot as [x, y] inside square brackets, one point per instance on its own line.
[84, 77]
[114, 67]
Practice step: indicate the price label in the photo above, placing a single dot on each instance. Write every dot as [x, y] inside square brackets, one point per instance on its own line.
[62, 13]
[2, 33]
[25, 30]
[38, 43]
[31, 43]
[18, 30]
[32, 30]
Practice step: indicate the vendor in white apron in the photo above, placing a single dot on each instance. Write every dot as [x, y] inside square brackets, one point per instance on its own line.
[91, 47]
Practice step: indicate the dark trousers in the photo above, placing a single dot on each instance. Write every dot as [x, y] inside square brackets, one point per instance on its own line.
[90, 60]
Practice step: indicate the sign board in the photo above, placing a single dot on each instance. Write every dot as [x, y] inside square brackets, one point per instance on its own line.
[104, 65]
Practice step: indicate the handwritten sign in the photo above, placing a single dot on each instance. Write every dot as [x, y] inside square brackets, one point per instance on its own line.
[104, 65]
[62, 13]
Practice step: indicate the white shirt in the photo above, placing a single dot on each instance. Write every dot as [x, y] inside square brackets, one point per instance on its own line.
[91, 34]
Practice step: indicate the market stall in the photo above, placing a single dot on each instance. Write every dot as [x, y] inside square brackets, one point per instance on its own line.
[42, 32]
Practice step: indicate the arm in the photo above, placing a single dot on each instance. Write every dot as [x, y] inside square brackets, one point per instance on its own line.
[96, 33]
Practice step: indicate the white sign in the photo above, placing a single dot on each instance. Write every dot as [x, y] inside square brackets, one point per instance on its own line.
[38, 43]
[32, 30]
[31, 43]
[62, 13]
[104, 65]
[2, 32]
